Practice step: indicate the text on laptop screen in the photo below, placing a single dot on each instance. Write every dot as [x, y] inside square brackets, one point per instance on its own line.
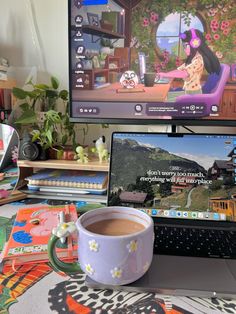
[185, 176]
[142, 61]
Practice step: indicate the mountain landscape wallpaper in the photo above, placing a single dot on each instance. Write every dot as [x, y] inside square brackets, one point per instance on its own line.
[145, 174]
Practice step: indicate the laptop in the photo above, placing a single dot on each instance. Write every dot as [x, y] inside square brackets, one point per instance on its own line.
[187, 183]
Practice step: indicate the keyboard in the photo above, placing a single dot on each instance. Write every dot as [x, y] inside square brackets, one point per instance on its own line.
[194, 242]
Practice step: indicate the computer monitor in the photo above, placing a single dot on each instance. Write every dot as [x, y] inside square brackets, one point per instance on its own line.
[189, 54]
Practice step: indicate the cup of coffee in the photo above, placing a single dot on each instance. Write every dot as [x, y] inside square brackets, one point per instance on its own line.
[149, 79]
[115, 245]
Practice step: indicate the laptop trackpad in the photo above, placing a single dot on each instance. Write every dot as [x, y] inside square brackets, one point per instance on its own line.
[188, 276]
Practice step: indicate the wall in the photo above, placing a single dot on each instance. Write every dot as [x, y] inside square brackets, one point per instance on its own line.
[34, 33]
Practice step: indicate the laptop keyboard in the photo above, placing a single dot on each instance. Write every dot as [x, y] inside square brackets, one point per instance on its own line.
[194, 242]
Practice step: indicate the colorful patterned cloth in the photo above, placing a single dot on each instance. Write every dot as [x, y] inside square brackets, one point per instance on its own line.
[13, 284]
[74, 297]
[95, 301]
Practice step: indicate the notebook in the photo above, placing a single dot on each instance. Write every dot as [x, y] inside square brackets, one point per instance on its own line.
[187, 183]
[68, 179]
[31, 232]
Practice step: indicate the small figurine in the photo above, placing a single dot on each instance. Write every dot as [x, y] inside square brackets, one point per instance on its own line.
[101, 149]
[81, 155]
[129, 79]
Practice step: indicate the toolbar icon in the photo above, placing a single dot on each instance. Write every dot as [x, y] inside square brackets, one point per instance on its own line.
[154, 212]
[80, 50]
[79, 34]
[166, 213]
[78, 19]
[78, 3]
[79, 66]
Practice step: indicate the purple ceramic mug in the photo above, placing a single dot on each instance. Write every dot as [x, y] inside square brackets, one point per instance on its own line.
[108, 259]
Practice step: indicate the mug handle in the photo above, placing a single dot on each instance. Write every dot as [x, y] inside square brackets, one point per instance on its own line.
[61, 231]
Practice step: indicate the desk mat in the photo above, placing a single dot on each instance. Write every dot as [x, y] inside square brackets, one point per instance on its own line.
[73, 297]
[96, 301]
[13, 284]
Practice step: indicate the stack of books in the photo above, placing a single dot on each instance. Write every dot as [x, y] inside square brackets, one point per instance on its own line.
[71, 181]
[3, 69]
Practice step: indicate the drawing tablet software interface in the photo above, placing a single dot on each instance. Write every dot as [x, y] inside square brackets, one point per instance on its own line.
[185, 176]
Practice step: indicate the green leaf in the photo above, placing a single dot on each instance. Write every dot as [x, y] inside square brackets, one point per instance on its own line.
[51, 93]
[35, 93]
[29, 82]
[19, 93]
[63, 94]
[49, 136]
[25, 106]
[54, 116]
[64, 139]
[35, 135]
[54, 82]
[28, 117]
[41, 86]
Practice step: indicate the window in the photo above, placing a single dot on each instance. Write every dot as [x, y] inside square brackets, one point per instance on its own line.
[167, 35]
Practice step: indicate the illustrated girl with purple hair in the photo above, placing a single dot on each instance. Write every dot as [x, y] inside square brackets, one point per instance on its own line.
[199, 56]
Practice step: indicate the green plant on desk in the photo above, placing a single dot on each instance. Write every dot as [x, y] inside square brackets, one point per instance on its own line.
[52, 129]
[45, 136]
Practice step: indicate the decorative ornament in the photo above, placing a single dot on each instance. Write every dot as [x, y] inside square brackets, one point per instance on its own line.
[129, 79]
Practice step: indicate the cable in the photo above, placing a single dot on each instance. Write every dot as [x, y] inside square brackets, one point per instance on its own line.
[35, 34]
[186, 128]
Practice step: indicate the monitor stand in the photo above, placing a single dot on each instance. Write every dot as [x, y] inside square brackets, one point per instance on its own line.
[163, 128]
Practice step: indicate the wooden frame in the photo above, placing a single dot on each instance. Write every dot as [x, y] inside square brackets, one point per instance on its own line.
[93, 19]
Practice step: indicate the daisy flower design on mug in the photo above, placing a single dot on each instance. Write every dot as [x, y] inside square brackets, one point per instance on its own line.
[132, 246]
[93, 246]
[116, 272]
[64, 229]
[89, 269]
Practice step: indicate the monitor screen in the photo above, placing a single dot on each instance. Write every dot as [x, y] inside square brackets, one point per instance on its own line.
[143, 62]
[182, 176]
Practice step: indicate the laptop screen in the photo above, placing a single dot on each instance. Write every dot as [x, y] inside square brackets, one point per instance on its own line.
[181, 176]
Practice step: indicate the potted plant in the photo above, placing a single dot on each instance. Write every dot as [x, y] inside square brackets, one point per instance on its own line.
[107, 46]
[44, 136]
[88, 60]
[49, 128]
[102, 59]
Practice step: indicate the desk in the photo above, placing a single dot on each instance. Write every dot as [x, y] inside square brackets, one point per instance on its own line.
[14, 196]
[156, 93]
[52, 293]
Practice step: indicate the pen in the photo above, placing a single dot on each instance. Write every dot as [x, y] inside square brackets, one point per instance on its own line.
[61, 220]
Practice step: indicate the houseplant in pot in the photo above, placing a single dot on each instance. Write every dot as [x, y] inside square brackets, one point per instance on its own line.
[49, 127]
[107, 47]
[102, 59]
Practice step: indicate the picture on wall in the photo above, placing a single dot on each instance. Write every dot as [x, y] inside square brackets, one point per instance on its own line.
[93, 19]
